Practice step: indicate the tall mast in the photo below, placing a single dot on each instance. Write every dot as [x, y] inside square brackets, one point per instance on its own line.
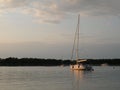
[76, 41]
[77, 37]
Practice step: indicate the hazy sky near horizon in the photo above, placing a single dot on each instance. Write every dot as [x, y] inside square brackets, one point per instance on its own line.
[45, 28]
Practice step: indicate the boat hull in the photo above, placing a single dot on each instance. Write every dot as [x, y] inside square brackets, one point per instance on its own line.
[81, 67]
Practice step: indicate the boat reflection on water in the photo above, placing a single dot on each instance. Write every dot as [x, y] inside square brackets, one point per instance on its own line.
[79, 78]
[78, 74]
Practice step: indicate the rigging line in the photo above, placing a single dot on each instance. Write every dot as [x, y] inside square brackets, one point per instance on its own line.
[74, 44]
[76, 36]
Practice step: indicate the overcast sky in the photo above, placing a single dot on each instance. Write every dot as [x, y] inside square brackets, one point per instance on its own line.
[45, 28]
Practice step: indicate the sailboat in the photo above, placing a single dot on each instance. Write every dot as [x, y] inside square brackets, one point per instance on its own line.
[80, 63]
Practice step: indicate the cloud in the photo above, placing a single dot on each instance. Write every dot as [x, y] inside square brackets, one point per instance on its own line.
[53, 11]
[47, 12]
[12, 3]
[92, 7]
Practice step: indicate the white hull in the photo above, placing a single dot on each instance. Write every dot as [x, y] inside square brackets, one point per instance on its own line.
[81, 67]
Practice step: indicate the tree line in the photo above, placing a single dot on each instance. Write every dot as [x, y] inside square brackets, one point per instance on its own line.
[12, 61]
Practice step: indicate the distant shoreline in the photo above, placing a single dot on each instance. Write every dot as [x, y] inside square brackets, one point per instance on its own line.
[12, 61]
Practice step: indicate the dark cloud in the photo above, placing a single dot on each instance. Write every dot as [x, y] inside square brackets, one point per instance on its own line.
[56, 10]
[92, 7]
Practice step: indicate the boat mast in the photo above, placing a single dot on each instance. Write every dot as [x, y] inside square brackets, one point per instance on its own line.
[77, 49]
[76, 41]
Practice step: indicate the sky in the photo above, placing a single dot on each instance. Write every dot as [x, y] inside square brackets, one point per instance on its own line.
[45, 28]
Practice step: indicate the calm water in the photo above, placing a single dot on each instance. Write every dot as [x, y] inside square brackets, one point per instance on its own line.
[59, 78]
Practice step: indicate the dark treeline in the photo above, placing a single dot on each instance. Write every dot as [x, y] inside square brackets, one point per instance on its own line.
[11, 61]
[111, 62]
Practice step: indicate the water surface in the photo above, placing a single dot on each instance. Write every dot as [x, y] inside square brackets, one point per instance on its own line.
[59, 78]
